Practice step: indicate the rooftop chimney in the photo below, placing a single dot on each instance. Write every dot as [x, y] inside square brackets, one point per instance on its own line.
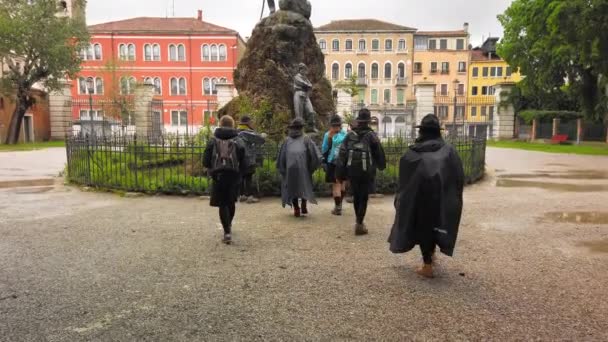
[466, 27]
[200, 15]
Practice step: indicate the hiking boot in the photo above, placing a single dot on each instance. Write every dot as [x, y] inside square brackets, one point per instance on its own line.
[252, 200]
[227, 239]
[297, 212]
[337, 211]
[304, 210]
[360, 229]
[426, 271]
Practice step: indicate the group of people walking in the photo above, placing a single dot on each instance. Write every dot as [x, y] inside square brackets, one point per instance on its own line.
[431, 179]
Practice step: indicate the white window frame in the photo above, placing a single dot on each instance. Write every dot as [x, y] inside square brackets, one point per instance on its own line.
[95, 84]
[371, 70]
[386, 41]
[219, 52]
[390, 96]
[384, 71]
[346, 45]
[178, 80]
[346, 76]
[460, 63]
[399, 48]
[378, 41]
[208, 57]
[333, 45]
[337, 73]
[322, 44]
[179, 118]
[364, 45]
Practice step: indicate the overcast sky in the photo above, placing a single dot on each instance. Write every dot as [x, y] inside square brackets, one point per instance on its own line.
[242, 15]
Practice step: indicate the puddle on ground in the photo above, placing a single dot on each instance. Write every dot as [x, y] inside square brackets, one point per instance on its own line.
[556, 164]
[567, 174]
[28, 191]
[599, 246]
[27, 182]
[591, 217]
[513, 183]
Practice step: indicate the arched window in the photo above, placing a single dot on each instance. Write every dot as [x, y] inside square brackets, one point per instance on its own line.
[223, 55]
[132, 85]
[90, 53]
[374, 96]
[223, 80]
[335, 71]
[375, 74]
[387, 96]
[172, 52]
[174, 86]
[124, 86]
[214, 53]
[98, 86]
[158, 90]
[82, 86]
[213, 88]
[400, 126]
[181, 53]
[361, 71]
[98, 54]
[335, 45]
[131, 52]
[182, 86]
[322, 44]
[206, 53]
[147, 52]
[362, 45]
[402, 46]
[388, 71]
[156, 52]
[348, 70]
[348, 45]
[122, 52]
[387, 126]
[207, 86]
[401, 71]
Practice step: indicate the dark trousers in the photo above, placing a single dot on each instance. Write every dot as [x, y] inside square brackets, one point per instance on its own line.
[296, 204]
[360, 189]
[226, 217]
[428, 249]
[247, 185]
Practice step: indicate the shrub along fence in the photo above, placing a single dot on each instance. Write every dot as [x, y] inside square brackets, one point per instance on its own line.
[173, 164]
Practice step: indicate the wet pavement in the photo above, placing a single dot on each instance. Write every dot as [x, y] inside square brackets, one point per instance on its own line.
[31, 165]
[530, 264]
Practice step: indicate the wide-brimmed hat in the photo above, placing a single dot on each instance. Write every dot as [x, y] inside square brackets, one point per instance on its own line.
[430, 121]
[335, 120]
[296, 123]
[364, 115]
[245, 120]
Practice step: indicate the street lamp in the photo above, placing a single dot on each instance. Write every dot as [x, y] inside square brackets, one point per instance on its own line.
[456, 84]
[91, 88]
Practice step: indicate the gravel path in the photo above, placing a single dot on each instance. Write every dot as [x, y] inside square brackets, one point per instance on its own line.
[28, 165]
[80, 266]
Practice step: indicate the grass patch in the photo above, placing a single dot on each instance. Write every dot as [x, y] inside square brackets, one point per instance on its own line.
[592, 149]
[31, 146]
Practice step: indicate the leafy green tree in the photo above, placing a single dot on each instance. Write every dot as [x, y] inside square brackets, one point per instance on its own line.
[36, 47]
[561, 46]
[350, 86]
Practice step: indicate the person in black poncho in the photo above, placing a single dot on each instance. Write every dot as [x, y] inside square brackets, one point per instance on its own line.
[429, 198]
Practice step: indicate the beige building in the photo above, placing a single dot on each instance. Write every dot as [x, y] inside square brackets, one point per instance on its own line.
[442, 58]
[379, 54]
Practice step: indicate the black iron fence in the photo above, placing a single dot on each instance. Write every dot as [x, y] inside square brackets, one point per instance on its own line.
[173, 164]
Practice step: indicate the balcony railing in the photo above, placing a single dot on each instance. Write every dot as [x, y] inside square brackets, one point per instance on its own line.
[433, 71]
[445, 71]
[362, 81]
[401, 81]
[402, 51]
[362, 51]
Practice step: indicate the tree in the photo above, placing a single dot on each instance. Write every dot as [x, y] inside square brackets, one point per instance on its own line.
[350, 86]
[37, 47]
[561, 46]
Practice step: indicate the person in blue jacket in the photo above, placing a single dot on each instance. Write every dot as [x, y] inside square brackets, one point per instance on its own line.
[331, 147]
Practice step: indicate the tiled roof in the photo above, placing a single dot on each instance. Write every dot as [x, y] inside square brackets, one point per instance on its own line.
[358, 25]
[457, 33]
[478, 55]
[160, 25]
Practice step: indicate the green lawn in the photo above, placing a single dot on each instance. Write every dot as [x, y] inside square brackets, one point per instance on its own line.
[31, 146]
[594, 149]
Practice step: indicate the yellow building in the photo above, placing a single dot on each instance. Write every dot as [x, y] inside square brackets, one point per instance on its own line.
[380, 55]
[487, 69]
[442, 58]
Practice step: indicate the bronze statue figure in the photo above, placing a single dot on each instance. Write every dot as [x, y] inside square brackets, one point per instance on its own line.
[301, 98]
[271, 6]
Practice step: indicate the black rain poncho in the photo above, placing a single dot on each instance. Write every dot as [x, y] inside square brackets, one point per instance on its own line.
[298, 159]
[429, 200]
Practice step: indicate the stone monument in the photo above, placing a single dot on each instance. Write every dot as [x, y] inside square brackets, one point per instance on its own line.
[266, 74]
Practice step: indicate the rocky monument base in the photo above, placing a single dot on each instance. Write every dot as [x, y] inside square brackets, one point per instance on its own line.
[265, 76]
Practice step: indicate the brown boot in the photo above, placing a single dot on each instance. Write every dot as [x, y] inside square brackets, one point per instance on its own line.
[426, 271]
[360, 229]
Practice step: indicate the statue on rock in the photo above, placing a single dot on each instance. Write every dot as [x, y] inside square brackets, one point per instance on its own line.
[301, 98]
[271, 6]
[269, 79]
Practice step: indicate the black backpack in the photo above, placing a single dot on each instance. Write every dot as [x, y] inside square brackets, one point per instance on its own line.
[360, 162]
[225, 158]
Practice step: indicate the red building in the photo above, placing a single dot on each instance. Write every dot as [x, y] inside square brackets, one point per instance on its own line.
[184, 58]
